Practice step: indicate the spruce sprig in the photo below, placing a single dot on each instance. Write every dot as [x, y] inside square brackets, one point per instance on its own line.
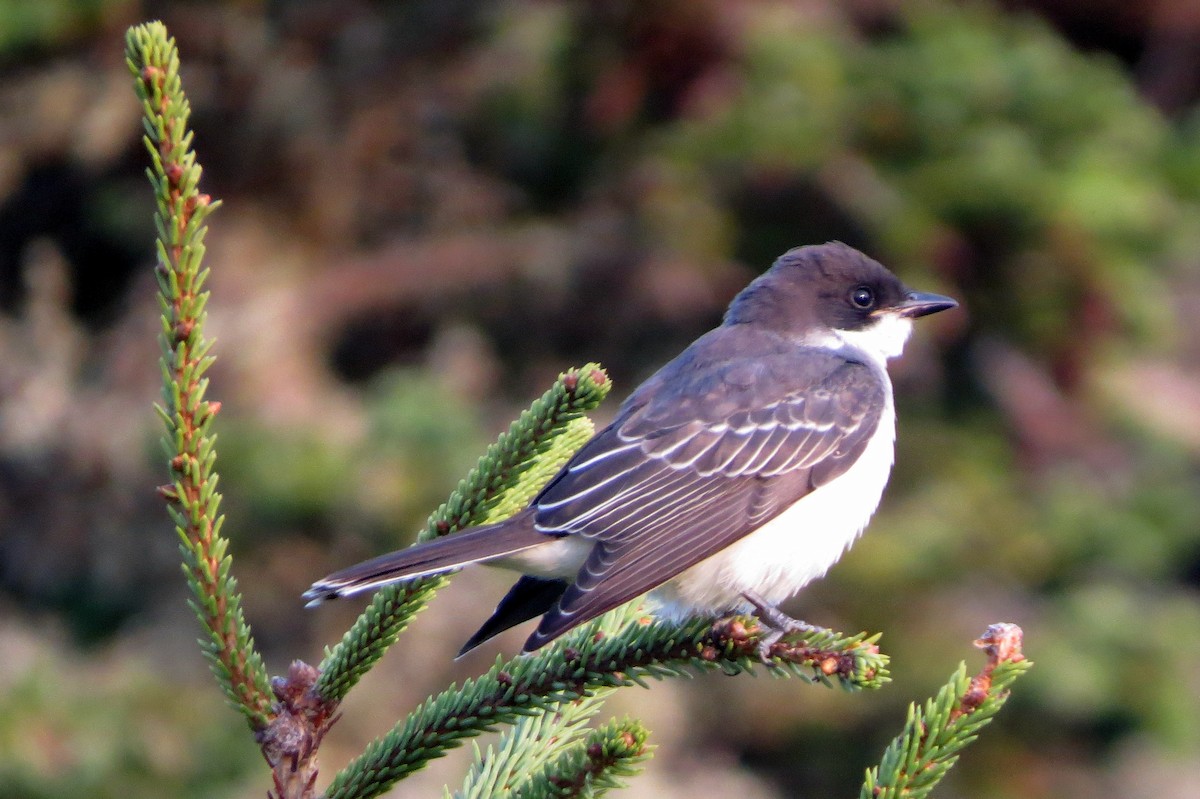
[591, 767]
[503, 481]
[918, 758]
[192, 496]
[535, 741]
[529, 746]
[576, 666]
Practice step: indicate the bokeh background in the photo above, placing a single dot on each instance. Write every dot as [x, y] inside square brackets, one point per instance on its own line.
[432, 207]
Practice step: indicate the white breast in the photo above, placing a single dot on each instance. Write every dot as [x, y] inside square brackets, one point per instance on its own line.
[794, 548]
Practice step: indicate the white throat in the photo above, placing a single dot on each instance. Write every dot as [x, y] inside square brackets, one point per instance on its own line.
[883, 339]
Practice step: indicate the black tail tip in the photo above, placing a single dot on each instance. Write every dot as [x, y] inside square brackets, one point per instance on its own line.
[319, 595]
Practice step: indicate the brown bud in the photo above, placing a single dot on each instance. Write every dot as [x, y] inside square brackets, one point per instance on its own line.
[598, 377]
[973, 699]
[293, 689]
[571, 653]
[302, 674]
[1002, 642]
[829, 666]
[976, 694]
[570, 381]
[150, 73]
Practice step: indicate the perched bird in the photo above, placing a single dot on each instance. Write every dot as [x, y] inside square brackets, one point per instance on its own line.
[730, 479]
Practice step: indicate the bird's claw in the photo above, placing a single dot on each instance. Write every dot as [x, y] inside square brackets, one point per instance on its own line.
[778, 623]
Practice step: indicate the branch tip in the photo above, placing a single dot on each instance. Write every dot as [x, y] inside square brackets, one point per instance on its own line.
[1002, 642]
[153, 62]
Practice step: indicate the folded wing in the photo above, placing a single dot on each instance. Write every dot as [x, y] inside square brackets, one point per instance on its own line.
[688, 469]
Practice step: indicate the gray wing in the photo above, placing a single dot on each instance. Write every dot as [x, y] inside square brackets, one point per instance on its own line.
[698, 461]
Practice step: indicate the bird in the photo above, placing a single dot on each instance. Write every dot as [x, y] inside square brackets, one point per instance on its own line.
[731, 478]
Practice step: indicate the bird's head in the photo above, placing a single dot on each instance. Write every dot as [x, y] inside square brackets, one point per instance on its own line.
[832, 294]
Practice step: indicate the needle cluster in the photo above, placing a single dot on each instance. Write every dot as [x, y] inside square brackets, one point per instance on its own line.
[191, 493]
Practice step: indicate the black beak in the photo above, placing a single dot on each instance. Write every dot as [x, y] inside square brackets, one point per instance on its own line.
[919, 303]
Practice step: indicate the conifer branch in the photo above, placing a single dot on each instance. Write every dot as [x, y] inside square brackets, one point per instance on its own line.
[591, 767]
[192, 496]
[584, 661]
[529, 746]
[504, 480]
[537, 739]
[934, 735]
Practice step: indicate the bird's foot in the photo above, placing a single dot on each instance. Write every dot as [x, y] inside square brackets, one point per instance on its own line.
[778, 622]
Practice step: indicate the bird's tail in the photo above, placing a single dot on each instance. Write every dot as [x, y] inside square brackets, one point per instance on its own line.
[432, 557]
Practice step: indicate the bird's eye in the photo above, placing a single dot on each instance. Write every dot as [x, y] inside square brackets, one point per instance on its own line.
[862, 297]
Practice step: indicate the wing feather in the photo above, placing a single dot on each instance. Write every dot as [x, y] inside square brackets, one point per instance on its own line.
[610, 579]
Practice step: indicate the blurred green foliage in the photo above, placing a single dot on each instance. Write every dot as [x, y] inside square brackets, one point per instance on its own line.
[418, 439]
[967, 124]
[968, 145]
[27, 27]
[109, 732]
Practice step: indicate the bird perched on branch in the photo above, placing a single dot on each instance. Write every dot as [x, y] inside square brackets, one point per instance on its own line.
[729, 480]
